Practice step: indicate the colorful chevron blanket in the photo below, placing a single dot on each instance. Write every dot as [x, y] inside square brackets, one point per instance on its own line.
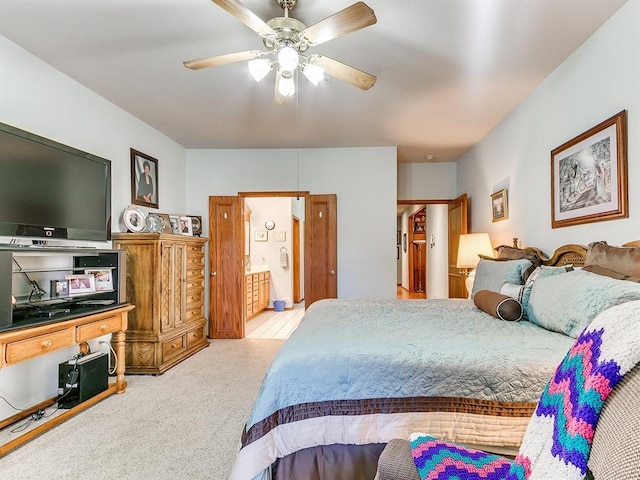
[558, 439]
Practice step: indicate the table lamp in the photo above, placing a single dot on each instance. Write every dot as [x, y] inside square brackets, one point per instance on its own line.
[470, 246]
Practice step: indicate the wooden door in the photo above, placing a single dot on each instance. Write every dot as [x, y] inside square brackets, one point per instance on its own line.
[458, 224]
[226, 268]
[320, 248]
[297, 297]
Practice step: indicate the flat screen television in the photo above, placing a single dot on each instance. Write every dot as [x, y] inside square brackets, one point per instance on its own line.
[50, 190]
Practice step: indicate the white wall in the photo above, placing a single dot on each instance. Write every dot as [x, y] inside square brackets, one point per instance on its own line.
[277, 209]
[364, 180]
[600, 79]
[426, 181]
[37, 98]
[438, 251]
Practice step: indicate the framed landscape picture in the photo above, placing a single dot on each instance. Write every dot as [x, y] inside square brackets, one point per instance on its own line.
[589, 175]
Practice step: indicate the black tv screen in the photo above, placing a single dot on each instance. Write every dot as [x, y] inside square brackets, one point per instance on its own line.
[51, 190]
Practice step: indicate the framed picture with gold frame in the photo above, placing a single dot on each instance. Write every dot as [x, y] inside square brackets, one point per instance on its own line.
[589, 175]
[499, 206]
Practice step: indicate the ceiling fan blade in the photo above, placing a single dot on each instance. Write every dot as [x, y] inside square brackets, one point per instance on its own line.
[246, 16]
[344, 72]
[222, 59]
[278, 98]
[352, 18]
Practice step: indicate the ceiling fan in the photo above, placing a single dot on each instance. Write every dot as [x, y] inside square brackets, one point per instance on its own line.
[287, 41]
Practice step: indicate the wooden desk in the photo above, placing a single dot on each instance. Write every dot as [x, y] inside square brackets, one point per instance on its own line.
[27, 343]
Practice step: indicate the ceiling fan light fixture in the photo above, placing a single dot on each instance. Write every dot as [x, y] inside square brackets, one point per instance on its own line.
[288, 58]
[259, 68]
[286, 85]
[314, 73]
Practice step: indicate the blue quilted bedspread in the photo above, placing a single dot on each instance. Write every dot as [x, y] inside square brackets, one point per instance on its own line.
[364, 349]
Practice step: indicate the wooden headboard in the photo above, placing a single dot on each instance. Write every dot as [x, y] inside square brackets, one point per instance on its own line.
[570, 254]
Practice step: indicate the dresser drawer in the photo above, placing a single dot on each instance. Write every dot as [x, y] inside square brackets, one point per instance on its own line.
[195, 336]
[195, 250]
[194, 297]
[194, 276]
[194, 313]
[96, 329]
[32, 347]
[173, 347]
[194, 283]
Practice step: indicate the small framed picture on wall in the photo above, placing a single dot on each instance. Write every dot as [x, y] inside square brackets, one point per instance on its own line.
[499, 206]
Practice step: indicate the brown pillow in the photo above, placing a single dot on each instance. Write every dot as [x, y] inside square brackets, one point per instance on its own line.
[624, 260]
[512, 253]
[597, 269]
[498, 305]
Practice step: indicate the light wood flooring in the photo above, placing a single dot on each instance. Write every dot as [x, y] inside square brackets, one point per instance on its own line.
[405, 294]
[272, 324]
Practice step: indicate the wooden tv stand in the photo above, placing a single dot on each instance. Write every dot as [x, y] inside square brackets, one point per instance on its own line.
[27, 343]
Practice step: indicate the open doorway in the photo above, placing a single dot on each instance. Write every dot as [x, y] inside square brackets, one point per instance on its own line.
[231, 234]
[428, 233]
[274, 230]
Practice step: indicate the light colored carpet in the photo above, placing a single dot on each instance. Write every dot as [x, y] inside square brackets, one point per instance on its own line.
[185, 424]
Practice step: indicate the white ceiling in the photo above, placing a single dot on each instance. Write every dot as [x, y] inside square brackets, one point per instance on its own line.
[448, 70]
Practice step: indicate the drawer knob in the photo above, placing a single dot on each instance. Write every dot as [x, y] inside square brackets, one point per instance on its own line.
[104, 326]
[173, 345]
[47, 343]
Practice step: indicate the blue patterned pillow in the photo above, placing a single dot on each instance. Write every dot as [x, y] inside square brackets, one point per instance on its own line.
[491, 275]
[568, 303]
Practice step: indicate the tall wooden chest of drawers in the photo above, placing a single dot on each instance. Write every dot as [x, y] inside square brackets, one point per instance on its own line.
[165, 281]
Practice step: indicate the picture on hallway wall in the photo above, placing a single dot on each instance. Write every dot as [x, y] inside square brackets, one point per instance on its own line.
[144, 179]
[589, 175]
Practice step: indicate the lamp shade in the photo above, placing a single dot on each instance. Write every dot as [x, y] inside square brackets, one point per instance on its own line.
[286, 86]
[471, 245]
[259, 68]
[288, 59]
[314, 73]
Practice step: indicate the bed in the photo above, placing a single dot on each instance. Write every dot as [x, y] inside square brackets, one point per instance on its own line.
[357, 373]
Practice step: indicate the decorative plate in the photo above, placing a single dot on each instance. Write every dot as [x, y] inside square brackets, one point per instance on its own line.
[196, 223]
[134, 219]
[154, 223]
